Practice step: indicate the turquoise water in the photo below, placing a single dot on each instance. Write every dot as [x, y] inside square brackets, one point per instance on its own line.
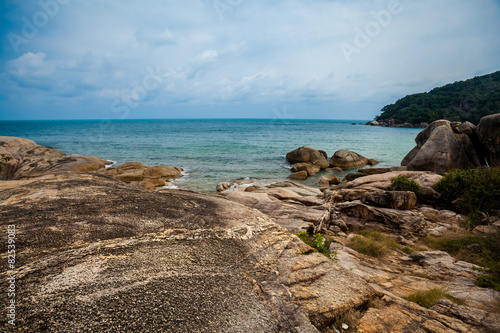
[215, 150]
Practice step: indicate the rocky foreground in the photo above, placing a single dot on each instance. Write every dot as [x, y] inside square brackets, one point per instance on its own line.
[98, 253]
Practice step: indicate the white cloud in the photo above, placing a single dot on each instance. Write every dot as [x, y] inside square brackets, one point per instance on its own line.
[262, 52]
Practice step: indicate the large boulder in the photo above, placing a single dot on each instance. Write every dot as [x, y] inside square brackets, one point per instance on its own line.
[32, 160]
[92, 249]
[138, 173]
[306, 154]
[439, 150]
[489, 136]
[346, 159]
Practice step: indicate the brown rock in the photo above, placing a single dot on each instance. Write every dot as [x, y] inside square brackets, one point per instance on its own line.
[489, 136]
[306, 154]
[346, 159]
[32, 160]
[223, 186]
[162, 171]
[299, 175]
[391, 199]
[439, 150]
[311, 169]
[328, 180]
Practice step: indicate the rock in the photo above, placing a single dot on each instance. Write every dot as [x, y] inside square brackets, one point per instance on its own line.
[489, 136]
[306, 154]
[465, 128]
[476, 317]
[311, 169]
[162, 171]
[251, 188]
[32, 160]
[327, 180]
[336, 169]
[223, 186]
[430, 258]
[187, 259]
[245, 181]
[439, 150]
[299, 175]
[322, 183]
[391, 199]
[371, 161]
[138, 172]
[346, 159]
[382, 181]
[292, 207]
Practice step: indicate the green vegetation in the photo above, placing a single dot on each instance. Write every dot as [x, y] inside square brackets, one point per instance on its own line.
[403, 183]
[3, 160]
[483, 251]
[376, 244]
[460, 101]
[472, 192]
[317, 242]
[429, 298]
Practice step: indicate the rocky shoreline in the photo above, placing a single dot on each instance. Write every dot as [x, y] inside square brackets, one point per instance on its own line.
[109, 249]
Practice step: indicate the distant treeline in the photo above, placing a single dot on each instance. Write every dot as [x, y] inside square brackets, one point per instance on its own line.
[468, 100]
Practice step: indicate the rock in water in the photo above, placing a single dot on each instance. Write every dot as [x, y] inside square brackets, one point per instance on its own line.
[489, 136]
[306, 154]
[347, 159]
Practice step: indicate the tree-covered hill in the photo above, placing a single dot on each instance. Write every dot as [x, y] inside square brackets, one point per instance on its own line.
[460, 101]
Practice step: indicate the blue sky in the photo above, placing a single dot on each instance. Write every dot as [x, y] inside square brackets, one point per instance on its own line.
[317, 59]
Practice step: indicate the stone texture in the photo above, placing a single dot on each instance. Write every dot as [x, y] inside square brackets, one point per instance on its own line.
[311, 169]
[489, 136]
[346, 159]
[299, 175]
[306, 154]
[32, 160]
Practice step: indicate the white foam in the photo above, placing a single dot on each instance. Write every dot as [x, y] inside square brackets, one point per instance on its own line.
[110, 165]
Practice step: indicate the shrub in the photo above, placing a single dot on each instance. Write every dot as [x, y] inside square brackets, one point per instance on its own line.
[429, 298]
[403, 183]
[317, 242]
[471, 192]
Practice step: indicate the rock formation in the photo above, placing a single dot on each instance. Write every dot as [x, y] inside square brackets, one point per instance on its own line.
[443, 146]
[346, 159]
[306, 154]
[32, 160]
[489, 136]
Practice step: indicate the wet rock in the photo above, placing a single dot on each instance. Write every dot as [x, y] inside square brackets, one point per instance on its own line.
[300, 175]
[311, 169]
[223, 186]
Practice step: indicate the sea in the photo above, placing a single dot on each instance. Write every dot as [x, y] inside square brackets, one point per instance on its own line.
[216, 150]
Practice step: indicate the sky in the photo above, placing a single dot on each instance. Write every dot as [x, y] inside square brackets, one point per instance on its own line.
[293, 59]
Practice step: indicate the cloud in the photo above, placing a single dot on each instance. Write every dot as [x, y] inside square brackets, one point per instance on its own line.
[268, 54]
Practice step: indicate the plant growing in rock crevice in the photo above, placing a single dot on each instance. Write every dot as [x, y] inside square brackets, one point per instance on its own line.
[428, 298]
[3, 160]
[403, 183]
[317, 242]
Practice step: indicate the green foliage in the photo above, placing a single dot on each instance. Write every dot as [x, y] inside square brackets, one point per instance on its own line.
[3, 160]
[472, 192]
[480, 250]
[468, 100]
[429, 298]
[403, 183]
[317, 242]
